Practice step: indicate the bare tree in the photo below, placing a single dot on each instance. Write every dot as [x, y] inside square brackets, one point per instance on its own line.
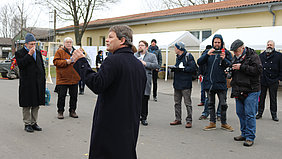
[79, 11]
[169, 4]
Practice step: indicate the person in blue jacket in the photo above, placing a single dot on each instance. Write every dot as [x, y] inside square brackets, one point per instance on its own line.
[182, 83]
[217, 60]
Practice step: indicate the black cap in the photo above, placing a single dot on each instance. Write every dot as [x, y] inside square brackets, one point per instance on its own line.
[236, 44]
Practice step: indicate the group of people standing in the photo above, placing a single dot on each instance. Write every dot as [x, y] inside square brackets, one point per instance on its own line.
[123, 85]
[251, 75]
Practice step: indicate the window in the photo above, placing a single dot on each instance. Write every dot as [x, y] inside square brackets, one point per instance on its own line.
[89, 41]
[206, 34]
[102, 41]
[201, 34]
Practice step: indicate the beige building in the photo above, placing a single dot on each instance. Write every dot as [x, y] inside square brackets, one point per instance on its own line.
[200, 20]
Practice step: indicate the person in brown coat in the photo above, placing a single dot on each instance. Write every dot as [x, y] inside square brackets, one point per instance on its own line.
[66, 78]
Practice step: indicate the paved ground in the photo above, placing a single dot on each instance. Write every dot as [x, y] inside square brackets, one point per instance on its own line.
[69, 138]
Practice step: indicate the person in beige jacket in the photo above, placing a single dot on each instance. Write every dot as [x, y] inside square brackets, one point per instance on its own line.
[66, 78]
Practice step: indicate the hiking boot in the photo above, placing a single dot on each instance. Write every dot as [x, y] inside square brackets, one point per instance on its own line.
[212, 126]
[248, 143]
[239, 138]
[188, 125]
[73, 114]
[227, 127]
[60, 115]
[175, 122]
[202, 117]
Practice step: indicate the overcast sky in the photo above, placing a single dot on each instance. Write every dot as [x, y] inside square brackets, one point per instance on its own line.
[124, 7]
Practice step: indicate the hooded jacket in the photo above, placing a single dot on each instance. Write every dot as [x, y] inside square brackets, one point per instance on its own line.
[215, 77]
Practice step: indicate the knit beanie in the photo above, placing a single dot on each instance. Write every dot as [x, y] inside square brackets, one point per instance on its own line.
[29, 37]
[180, 46]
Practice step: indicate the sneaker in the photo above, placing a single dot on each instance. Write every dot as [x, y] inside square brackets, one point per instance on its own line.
[218, 118]
[28, 128]
[155, 99]
[227, 127]
[239, 138]
[212, 126]
[202, 117]
[248, 143]
[201, 104]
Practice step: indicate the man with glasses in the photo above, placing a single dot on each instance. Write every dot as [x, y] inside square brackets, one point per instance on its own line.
[32, 82]
[150, 63]
[246, 71]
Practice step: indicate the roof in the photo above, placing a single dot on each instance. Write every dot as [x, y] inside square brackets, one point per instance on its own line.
[5, 42]
[255, 38]
[168, 39]
[196, 9]
[39, 33]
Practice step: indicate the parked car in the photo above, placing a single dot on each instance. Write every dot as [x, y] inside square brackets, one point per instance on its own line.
[9, 68]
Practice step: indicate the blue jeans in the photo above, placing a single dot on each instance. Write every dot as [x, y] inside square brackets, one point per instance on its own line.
[206, 111]
[203, 93]
[246, 111]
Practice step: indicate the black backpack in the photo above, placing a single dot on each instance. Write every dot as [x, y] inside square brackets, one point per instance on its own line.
[195, 73]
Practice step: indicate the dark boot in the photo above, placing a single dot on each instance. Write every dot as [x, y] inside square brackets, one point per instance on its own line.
[73, 114]
[274, 116]
[28, 128]
[36, 127]
[60, 115]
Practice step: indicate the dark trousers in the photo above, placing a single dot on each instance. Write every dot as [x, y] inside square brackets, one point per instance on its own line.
[144, 110]
[155, 82]
[81, 86]
[62, 92]
[221, 94]
[273, 99]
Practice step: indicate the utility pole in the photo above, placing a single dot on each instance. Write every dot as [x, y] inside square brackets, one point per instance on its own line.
[55, 15]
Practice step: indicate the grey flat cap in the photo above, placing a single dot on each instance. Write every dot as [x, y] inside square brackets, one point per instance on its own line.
[236, 44]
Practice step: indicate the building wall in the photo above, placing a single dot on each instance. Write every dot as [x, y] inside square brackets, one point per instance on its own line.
[261, 19]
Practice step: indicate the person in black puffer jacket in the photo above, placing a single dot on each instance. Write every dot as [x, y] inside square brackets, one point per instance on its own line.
[246, 71]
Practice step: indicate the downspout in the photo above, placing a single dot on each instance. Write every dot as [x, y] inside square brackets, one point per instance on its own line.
[274, 16]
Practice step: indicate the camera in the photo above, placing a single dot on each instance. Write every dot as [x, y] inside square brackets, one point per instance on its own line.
[229, 71]
[217, 52]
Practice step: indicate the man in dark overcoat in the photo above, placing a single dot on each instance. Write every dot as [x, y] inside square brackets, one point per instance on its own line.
[120, 85]
[271, 61]
[32, 82]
